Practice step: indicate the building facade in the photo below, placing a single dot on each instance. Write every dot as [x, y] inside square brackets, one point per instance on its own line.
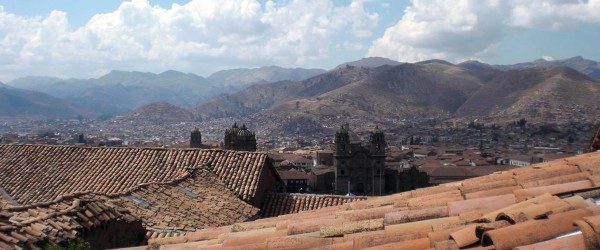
[359, 169]
[240, 139]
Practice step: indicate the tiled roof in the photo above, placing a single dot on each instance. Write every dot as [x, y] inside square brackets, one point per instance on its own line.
[39, 173]
[192, 203]
[281, 203]
[30, 227]
[543, 206]
[198, 200]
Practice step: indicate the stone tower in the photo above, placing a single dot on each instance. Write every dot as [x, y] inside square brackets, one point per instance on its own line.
[342, 141]
[196, 139]
[377, 143]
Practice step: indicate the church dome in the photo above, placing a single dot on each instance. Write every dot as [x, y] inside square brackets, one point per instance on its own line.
[244, 132]
[233, 130]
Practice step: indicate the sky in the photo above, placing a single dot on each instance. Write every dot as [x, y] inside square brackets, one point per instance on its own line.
[86, 39]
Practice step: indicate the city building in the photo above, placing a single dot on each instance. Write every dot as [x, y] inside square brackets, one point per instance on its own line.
[359, 169]
[240, 139]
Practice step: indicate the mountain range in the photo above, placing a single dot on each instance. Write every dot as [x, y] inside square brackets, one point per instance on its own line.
[424, 90]
[370, 88]
[33, 104]
[119, 92]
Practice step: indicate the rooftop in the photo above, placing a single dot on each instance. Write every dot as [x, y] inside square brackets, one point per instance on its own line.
[39, 173]
[502, 210]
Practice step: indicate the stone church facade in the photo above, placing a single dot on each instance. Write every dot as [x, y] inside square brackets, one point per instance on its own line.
[359, 169]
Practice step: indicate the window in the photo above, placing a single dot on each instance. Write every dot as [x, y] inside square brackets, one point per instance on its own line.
[342, 172]
[378, 171]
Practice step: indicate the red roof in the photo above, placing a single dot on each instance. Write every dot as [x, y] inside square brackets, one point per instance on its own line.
[531, 208]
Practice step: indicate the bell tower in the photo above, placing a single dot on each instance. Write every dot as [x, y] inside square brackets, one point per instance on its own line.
[196, 139]
[377, 145]
[342, 140]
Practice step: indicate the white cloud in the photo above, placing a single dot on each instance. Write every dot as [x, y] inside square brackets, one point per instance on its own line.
[193, 37]
[351, 46]
[453, 30]
[548, 58]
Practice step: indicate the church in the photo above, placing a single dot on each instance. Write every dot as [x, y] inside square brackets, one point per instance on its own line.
[239, 139]
[359, 169]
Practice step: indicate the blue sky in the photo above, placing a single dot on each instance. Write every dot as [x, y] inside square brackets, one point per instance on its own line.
[68, 38]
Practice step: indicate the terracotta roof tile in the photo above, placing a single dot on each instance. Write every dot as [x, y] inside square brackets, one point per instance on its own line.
[38, 173]
[281, 203]
[422, 243]
[574, 242]
[193, 203]
[493, 202]
[293, 242]
[311, 225]
[490, 212]
[415, 215]
[529, 232]
[439, 235]
[382, 238]
[526, 193]
[343, 228]
[26, 227]
[492, 192]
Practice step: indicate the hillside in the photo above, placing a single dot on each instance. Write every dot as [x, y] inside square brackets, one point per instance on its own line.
[264, 96]
[401, 91]
[551, 95]
[415, 92]
[261, 75]
[16, 102]
[369, 62]
[159, 112]
[588, 67]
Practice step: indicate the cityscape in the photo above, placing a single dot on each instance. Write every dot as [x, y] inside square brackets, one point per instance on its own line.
[198, 124]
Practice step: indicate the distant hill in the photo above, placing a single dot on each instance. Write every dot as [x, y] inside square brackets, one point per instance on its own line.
[554, 95]
[261, 75]
[16, 102]
[119, 92]
[403, 90]
[424, 90]
[159, 112]
[585, 66]
[370, 62]
[371, 89]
